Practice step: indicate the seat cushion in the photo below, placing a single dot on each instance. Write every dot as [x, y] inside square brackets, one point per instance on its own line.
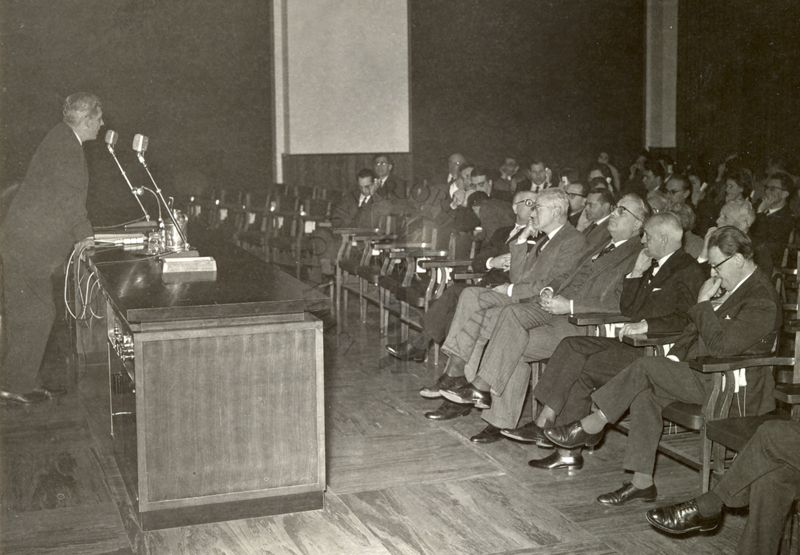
[684, 414]
[734, 433]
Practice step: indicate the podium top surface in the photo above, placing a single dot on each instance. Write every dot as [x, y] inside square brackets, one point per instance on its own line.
[243, 286]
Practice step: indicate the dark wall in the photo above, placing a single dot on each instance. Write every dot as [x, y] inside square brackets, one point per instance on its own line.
[193, 75]
[738, 79]
[558, 79]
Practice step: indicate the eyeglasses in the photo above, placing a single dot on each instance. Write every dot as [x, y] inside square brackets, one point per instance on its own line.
[529, 202]
[774, 188]
[674, 191]
[575, 195]
[620, 211]
[715, 267]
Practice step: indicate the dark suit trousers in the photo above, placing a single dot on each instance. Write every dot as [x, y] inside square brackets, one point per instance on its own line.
[436, 320]
[646, 386]
[29, 313]
[577, 367]
[766, 476]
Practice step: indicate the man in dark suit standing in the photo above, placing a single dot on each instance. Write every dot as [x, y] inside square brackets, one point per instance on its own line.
[656, 296]
[45, 219]
[744, 319]
[530, 331]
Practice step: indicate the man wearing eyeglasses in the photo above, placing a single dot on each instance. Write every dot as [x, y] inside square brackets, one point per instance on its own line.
[737, 312]
[774, 221]
[531, 331]
[533, 264]
[576, 192]
[678, 190]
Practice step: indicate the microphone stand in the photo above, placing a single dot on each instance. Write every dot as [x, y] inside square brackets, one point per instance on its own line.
[159, 194]
[130, 186]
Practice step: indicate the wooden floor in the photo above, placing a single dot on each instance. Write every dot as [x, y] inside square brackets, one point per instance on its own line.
[397, 483]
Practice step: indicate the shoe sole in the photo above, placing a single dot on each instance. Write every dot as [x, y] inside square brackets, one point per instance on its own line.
[541, 443]
[564, 467]
[640, 499]
[430, 394]
[455, 398]
[672, 532]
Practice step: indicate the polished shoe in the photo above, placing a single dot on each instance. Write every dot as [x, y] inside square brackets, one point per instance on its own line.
[448, 411]
[407, 351]
[682, 518]
[529, 433]
[20, 398]
[468, 395]
[444, 382]
[489, 434]
[628, 492]
[556, 461]
[571, 436]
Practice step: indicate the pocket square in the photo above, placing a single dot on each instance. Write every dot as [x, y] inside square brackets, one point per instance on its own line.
[727, 316]
[656, 289]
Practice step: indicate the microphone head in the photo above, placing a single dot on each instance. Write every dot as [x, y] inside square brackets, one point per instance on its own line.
[140, 143]
[111, 138]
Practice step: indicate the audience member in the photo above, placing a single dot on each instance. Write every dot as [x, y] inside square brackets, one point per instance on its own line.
[774, 219]
[594, 220]
[576, 192]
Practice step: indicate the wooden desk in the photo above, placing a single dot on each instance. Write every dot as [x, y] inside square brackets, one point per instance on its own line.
[216, 388]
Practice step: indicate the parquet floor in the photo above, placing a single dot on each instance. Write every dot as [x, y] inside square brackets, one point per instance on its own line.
[397, 483]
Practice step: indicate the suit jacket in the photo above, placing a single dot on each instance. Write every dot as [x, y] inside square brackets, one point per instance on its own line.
[495, 246]
[530, 273]
[665, 301]
[596, 284]
[747, 322]
[48, 214]
[495, 214]
[574, 218]
[771, 232]
[430, 200]
[597, 237]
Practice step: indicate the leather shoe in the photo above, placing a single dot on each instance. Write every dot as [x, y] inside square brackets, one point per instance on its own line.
[407, 351]
[448, 411]
[555, 461]
[468, 395]
[682, 518]
[489, 434]
[444, 382]
[571, 436]
[22, 398]
[529, 433]
[628, 492]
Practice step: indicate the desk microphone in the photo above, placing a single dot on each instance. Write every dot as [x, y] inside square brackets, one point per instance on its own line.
[140, 143]
[111, 140]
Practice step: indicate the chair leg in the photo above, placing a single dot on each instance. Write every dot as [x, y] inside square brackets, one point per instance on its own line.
[362, 299]
[381, 311]
[338, 295]
[705, 458]
[403, 320]
[345, 292]
[436, 354]
[536, 373]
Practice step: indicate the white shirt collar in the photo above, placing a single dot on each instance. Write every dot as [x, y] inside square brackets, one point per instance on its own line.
[662, 261]
[601, 220]
[76, 136]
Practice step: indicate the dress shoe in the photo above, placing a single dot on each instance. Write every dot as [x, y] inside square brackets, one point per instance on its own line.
[529, 433]
[21, 398]
[468, 395]
[682, 518]
[571, 436]
[489, 434]
[628, 492]
[444, 382]
[407, 351]
[448, 411]
[555, 461]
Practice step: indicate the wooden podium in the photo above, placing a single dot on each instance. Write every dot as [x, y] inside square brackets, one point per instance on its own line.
[216, 388]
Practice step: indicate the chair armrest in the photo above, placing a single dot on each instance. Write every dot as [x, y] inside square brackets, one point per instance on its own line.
[708, 365]
[446, 263]
[650, 340]
[399, 246]
[464, 276]
[788, 393]
[597, 319]
[355, 231]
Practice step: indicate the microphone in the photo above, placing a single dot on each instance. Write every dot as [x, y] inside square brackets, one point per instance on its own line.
[111, 139]
[140, 143]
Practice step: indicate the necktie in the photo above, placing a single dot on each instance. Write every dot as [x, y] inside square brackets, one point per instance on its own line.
[589, 228]
[363, 200]
[652, 270]
[607, 249]
[539, 245]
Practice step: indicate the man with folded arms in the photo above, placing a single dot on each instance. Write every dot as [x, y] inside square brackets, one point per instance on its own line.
[765, 475]
[656, 296]
[745, 318]
[532, 330]
[534, 264]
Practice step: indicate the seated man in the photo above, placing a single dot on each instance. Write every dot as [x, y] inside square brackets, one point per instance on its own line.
[532, 330]
[533, 266]
[599, 205]
[739, 214]
[765, 476]
[656, 295]
[745, 318]
[494, 257]
[774, 219]
[577, 193]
